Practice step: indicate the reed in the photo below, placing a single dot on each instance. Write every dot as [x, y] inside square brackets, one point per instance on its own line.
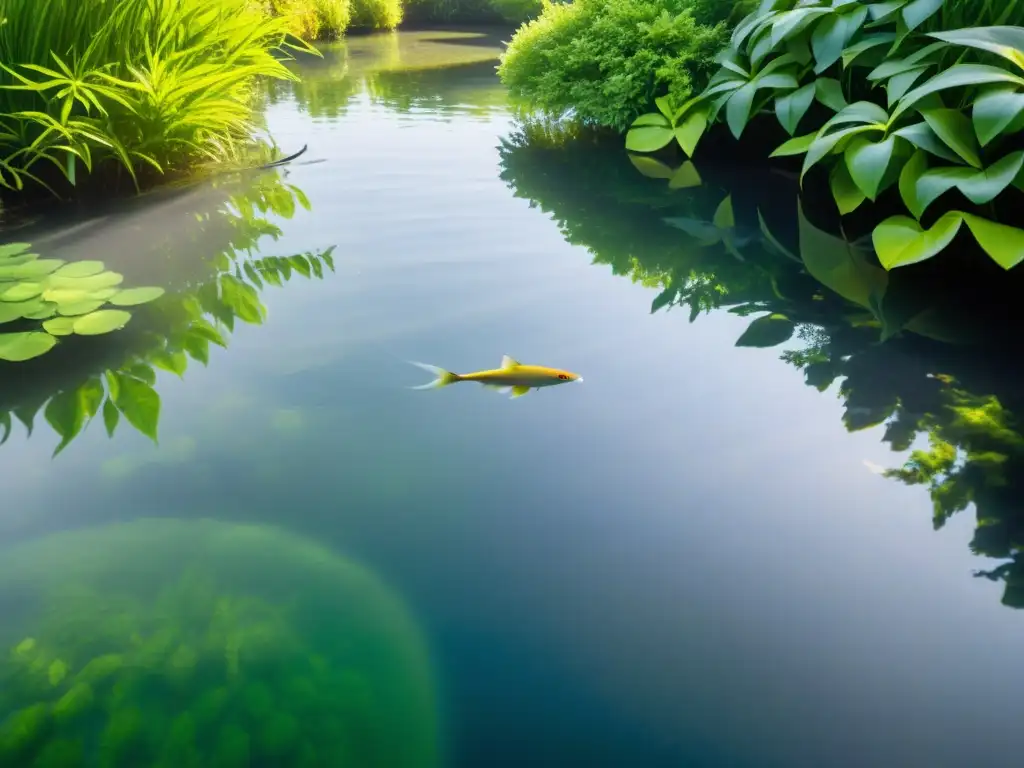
[128, 87]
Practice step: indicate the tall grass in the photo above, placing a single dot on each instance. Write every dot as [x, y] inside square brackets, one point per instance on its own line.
[128, 87]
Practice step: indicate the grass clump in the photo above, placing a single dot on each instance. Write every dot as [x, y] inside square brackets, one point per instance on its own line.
[604, 61]
[128, 89]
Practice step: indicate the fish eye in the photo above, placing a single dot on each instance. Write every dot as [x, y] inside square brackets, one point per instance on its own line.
[562, 376]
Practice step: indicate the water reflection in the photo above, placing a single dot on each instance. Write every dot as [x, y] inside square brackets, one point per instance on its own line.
[114, 377]
[172, 643]
[931, 367]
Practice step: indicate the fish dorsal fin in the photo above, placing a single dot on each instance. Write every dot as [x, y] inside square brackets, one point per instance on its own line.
[508, 362]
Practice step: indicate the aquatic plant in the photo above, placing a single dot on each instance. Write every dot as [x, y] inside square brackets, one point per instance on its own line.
[44, 299]
[128, 87]
[908, 99]
[177, 643]
[604, 61]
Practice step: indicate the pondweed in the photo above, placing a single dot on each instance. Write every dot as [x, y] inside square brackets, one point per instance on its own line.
[118, 87]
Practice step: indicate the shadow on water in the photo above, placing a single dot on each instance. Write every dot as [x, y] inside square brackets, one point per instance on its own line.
[930, 354]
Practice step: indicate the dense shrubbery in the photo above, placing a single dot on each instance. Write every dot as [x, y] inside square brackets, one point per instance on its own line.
[128, 85]
[376, 14]
[906, 100]
[310, 19]
[472, 11]
[606, 60]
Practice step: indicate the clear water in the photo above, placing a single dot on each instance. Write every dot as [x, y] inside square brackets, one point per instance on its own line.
[685, 561]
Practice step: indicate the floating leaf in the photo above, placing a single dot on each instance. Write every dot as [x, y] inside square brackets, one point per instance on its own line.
[60, 326]
[81, 307]
[10, 250]
[10, 311]
[68, 295]
[768, 331]
[42, 311]
[80, 269]
[103, 321]
[21, 291]
[18, 347]
[90, 283]
[140, 404]
[32, 270]
[899, 240]
[130, 297]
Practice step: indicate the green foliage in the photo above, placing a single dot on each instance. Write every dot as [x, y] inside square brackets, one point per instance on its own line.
[376, 14]
[43, 299]
[918, 104]
[128, 86]
[518, 11]
[310, 19]
[604, 61]
[197, 659]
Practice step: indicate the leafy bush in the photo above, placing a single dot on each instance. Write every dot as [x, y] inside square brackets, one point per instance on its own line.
[948, 114]
[129, 84]
[376, 14]
[605, 60]
[311, 19]
[518, 11]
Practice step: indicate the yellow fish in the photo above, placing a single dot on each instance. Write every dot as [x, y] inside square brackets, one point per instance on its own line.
[511, 376]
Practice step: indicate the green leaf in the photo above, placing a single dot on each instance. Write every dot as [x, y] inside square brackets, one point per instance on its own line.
[651, 119]
[66, 414]
[92, 394]
[197, 346]
[89, 283]
[865, 44]
[867, 162]
[724, 217]
[110, 416]
[899, 84]
[130, 297]
[899, 240]
[173, 362]
[243, 300]
[737, 109]
[831, 35]
[689, 132]
[826, 144]
[648, 166]
[795, 146]
[685, 177]
[994, 110]
[80, 308]
[18, 347]
[846, 194]
[104, 321]
[80, 269]
[1003, 243]
[979, 187]
[954, 128]
[20, 292]
[923, 137]
[60, 326]
[957, 76]
[32, 270]
[790, 23]
[1007, 42]
[664, 106]
[829, 92]
[648, 139]
[10, 250]
[768, 331]
[915, 166]
[140, 404]
[792, 106]
[918, 12]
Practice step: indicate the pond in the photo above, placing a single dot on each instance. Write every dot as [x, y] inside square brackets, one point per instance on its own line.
[690, 559]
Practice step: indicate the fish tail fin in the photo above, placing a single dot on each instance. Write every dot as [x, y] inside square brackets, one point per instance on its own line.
[444, 378]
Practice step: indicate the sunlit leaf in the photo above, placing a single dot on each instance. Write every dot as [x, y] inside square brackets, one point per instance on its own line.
[768, 331]
[66, 414]
[795, 146]
[845, 192]
[689, 132]
[900, 240]
[140, 405]
[912, 170]
[649, 139]
[867, 162]
[18, 347]
[724, 217]
[978, 186]
[839, 265]
[957, 76]
[954, 128]
[685, 177]
[80, 308]
[9, 250]
[648, 166]
[60, 326]
[1007, 42]
[31, 270]
[78, 269]
[103, 321]
[1005, 244]
[130, 297]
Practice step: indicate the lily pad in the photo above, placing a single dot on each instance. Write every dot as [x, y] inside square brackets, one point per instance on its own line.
[13, 249]
[80, 269]
[61, 326]
[31, 270]
[45, 309]
[104, 321]
[81, 307]
[67, 295]
[21, 291]
[11, 310]
[17, 347]
[130, 297]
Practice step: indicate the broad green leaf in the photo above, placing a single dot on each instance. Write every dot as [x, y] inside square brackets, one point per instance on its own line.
[664, 106]
[92, 394]
[994, 110]
[769, 331]
[648, 166]
[867, 162]
[42, 311]
[651, 119]
[915, 166]
[737, 109]
[172, 362]
[10, 250]
[880, 11]
[832, 34]
[954, 128]
[790, 23]
[979, 187]
[824, 145]
[858, 112]
[846, 194]
[79, 308]
[110, 416]
[16, 310]
[829, 92]
[32, 270]
[792, 106]
[865, 44]
[839, 265]
[685, 177]
[142, 372]
[899, 240]
[20, 291]
[724, 218]
[18, 347]
[795, 146]
[103, 321]
[648, 139]
[66, 414]
[60, 326]
[1007, 42]
[197, 347]
[957, 76]
[689, 132]
[140, 404]
[1003, 243]
[89, 283]
[130, 297]
[899, 84]
[923, 137]
[917, 12]
[80, 269]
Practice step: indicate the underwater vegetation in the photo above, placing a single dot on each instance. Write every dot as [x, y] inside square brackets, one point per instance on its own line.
[175, 644]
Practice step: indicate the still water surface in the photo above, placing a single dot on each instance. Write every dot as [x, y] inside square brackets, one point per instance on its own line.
[685, 561]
